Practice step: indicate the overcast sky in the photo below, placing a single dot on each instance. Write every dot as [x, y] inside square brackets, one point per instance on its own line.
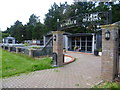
[13, 10]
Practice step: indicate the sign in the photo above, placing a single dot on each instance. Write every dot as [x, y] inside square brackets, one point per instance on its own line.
[68, 23]
[91, 17]
[98, 18]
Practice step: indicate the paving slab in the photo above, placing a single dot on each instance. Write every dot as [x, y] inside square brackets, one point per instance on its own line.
[83, 73]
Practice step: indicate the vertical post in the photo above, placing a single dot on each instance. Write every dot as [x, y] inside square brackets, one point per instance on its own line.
[86, 44]
[58, 46]
[44, 40]
[18, 49]
[80, 44]
[66, 42]
[13, 41]
[6, 41]
[93, 43]
[31, 52]
[109, 70]
[9, 48]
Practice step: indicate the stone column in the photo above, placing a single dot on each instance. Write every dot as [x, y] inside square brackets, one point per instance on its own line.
[58, 46]
[31, 52]
[109, 68]
[17, 49]
[9, 48]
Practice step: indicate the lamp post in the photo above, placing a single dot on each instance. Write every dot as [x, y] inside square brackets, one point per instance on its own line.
[110, 12]
[58, 24]
[22, 38]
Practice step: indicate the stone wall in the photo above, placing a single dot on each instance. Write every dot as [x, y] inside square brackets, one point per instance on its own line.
[110, 53]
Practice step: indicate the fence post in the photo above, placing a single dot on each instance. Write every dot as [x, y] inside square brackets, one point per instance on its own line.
[31, 52]
[9, 48]
[17, 49]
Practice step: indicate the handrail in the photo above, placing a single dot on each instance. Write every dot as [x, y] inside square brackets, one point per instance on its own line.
[51, 38]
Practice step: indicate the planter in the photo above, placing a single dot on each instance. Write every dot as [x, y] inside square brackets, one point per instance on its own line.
[100, 53]
[96, 53]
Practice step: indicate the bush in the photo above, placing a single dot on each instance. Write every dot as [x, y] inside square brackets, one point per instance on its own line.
[26, 44]
[100, 49]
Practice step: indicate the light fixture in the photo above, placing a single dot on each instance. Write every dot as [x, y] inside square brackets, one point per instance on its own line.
[58, 20]
[54, 38]
[22, 35]
[107, 35]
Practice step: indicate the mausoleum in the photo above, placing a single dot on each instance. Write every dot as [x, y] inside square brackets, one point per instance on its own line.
[8, 40]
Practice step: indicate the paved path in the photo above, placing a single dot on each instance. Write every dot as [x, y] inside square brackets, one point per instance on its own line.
[83, 73]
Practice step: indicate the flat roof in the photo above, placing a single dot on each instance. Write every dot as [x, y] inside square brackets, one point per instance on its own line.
[72, 34]
[81, 34]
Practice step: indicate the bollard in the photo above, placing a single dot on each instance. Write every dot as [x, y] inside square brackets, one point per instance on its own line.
[31, 52]
[9, 48]
[18, 49]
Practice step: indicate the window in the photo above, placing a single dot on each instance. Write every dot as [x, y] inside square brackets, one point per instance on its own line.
[9, 40]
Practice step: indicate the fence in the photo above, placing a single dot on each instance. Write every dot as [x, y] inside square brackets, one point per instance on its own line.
[29, 51]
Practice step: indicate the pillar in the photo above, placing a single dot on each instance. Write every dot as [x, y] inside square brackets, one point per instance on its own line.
[13, 41]
[18, 49]
[31, 52]
[44, 39]
[58, 46]
[6, 41]
[109, 68]
[9, 48]
[93, 43]
[66, 42]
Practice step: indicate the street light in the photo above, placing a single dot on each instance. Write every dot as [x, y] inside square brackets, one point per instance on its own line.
[76, 10]
[110, 11]
[58, 20]
[22, 35]
[22, 38]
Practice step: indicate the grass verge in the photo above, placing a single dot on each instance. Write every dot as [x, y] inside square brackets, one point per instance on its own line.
[15, 64]
[111, 85]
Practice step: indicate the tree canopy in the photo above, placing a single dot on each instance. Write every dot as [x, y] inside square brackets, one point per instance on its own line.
[34, 29]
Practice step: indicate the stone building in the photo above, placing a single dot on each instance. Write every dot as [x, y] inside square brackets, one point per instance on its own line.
[9, 40]
[87, 42]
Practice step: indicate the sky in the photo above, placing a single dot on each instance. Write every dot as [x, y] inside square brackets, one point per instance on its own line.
[13, 10]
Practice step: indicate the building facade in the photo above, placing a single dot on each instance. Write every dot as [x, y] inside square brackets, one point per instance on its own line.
[84, 42]
[8, 40]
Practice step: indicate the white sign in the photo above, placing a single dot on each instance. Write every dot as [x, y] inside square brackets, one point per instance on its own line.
[91, 17]
[68, 22]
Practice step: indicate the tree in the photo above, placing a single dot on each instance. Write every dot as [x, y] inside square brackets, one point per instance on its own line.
[38, 31]
[116, 12]
[55, 12]
[33, 20]
[65, 11]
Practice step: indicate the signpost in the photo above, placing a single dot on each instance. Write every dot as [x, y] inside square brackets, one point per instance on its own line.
[84, 20]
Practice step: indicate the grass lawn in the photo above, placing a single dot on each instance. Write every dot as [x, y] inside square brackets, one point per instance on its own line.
[111, 85]
[14, 64]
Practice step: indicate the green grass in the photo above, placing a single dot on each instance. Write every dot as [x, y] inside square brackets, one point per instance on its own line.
[15, 64]
[111, 85]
